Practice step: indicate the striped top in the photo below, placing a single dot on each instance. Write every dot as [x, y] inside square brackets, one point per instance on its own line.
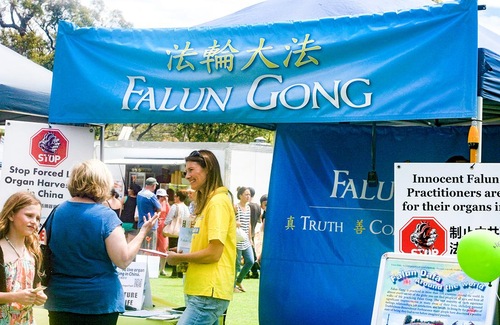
[243, 216]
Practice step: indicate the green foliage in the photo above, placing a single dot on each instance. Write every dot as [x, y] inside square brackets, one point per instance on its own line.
[216, 132]
[30, 26]
[30, 45]
[220, 132]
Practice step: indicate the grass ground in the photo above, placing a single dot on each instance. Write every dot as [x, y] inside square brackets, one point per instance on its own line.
[243, 310]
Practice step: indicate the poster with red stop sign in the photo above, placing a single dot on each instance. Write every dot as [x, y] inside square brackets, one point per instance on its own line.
[38, 158]
[49, 147]
[436, 204]
[423, 235]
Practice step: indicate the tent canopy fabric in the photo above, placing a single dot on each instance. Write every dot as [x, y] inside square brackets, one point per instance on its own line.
[24, 88]
[489, 82]
[488, 41]
[272, 11]
[370, 67]
[489, 73]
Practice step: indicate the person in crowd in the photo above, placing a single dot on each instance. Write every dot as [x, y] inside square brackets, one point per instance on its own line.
[179, 210]
[147, 203]
[255, 218]
[114, 202]
[171, 195]
[244, 248]
[20, 259]
[88, 243]
[162, 242]
[129, 214]
[263, 207]
[209, 280]
[190, 196]
[457, 159]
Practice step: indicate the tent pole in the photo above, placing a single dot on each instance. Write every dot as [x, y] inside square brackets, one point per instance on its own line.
[480, 126]
[101, 143]
[475, 131]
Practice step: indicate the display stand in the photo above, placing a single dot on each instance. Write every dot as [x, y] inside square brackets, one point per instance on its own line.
[136, 286]
[153, 264]
[432, 289]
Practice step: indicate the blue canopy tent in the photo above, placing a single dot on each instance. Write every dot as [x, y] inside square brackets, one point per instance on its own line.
[489, 73]
[322, 82]
[24, 88]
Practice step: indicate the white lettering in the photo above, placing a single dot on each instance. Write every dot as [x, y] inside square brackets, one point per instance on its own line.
[259, 97]
[334, 99]
[342, 187]
[274, 95]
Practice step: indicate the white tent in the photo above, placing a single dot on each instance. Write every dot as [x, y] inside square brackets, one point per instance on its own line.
[24, 88]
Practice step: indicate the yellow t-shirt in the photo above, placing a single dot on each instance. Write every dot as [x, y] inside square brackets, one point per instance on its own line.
[215, 222]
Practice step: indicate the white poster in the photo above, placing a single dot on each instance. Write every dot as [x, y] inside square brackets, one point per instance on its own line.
[136, 286]
[153, 264]
[38, 157]
[436, 204]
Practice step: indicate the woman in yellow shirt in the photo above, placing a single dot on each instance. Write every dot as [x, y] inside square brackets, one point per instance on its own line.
[209, 280]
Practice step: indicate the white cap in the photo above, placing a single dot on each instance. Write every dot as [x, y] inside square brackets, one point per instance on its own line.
[161, 192]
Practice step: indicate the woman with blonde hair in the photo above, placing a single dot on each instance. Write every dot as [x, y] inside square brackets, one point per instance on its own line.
[20, 259]
[209, 280]
[88, 243]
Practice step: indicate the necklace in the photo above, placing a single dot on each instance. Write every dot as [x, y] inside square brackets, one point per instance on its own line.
[15, 250]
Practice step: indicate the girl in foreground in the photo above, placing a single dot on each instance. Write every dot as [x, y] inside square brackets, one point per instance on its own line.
[20, 259]
[209, 280]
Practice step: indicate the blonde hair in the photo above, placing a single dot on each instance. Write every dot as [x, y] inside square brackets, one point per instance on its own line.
[91, 179]
[12, 206]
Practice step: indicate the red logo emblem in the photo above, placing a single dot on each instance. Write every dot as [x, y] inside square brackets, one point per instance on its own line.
[423, 235]
[49, 147]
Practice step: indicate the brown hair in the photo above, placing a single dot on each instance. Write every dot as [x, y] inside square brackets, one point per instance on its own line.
[207, 160]
[13, 205]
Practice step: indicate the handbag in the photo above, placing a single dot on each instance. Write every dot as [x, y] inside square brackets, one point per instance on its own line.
[46, 269]
[241, 235]
[172, 229]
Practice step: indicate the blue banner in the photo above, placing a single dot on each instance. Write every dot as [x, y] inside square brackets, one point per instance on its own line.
[326, 228]
[403, 65]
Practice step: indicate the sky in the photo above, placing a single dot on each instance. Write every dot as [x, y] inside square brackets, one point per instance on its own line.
[187, 13]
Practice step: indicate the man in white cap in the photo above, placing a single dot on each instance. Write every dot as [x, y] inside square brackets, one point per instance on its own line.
[147, 203]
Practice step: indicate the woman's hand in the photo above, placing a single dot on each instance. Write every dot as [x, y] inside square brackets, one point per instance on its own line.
[25, 297]
[173, 258]
[150, 221]
[41, 298]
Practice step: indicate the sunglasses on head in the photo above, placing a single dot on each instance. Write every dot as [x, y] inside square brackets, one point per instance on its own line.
[195, 153]
[197, 157]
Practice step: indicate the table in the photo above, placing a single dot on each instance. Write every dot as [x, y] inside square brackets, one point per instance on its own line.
[42, 318]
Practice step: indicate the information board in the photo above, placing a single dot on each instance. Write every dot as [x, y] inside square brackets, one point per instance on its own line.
[38, 158]
[136, 286]
[430, 289]
[436, 204]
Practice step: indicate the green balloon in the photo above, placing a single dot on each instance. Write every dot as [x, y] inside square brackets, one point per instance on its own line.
[478, 255]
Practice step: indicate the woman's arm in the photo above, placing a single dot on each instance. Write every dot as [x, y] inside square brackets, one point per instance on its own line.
[23, 297]
[121, 253]
[208, 255]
